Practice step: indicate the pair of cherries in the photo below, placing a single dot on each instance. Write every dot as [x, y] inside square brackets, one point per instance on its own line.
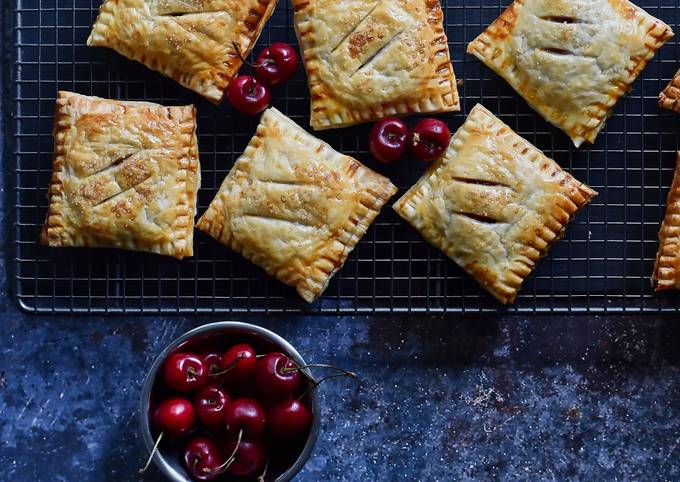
[272, 412]
[249, 94]
[391, 137]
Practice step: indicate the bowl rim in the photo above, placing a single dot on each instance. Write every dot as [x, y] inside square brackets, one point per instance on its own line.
[257, 330]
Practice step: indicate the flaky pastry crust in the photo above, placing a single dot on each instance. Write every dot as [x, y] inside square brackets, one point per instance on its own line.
[666, 274]
[571, 60]
[124, 175]
[190, 41]
[669, 98]
[294, 206]
[366, 60]
[493, 203]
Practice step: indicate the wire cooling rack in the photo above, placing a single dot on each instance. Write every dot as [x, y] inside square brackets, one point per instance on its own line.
[603, 264]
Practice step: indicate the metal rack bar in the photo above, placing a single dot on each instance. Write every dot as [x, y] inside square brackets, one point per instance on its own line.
[602, 265]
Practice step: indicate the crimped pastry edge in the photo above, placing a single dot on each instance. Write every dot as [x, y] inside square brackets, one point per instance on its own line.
[580, 195]
[312, 286]
[447, 101]
[54, 232]
[485, 47]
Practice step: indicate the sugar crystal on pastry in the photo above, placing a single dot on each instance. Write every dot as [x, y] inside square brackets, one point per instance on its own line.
[370, 59]
[294, 206]
[493, 203]
[571, 60]
[124, 175]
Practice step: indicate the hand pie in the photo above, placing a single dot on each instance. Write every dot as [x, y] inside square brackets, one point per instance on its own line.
[369, 59]
[669, 98]
[571, 60]
[667, 267]
[294, 206]
[190, 41]
[125, 175]
[493, 203]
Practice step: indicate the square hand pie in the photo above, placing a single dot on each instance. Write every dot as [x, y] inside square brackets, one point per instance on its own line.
[294, 206]
[571, 60]
[190, 41]
[369, 59]
[669, 98]
[493, 203]
[125, 175]
[667, 267]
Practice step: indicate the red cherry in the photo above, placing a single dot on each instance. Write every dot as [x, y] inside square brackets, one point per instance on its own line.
[431, 137]
[276, 64]
[210, 404]
[174, 416]
[245, 414]
[184, 372]
[250, 457]
[288, 418]
[389, 139]
[203, 459]
[240, 361]
[248, 95]
[277, 376]
[211, 362]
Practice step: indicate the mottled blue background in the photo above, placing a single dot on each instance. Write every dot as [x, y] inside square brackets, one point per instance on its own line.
[439, 399]
[474, 398]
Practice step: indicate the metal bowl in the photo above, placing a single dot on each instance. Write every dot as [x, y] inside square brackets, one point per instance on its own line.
[170, 463]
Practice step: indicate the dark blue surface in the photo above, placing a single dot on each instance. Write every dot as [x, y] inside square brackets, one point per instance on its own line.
[474, 398]
[438, 399]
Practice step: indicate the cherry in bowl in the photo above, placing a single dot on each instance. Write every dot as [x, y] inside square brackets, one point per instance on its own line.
[210, 405]
[174, 416]
[249, 457]
[184, 372]
[203, 459]
[281, 464]
[245, 415]
[287, 418]
[277, 376]
[211, 362]
[238, 364]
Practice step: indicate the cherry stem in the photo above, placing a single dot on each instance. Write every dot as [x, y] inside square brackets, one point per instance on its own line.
[264, 472]
[223, 468]
[251, 65]
[319, 365]
[319, 382]
[232, 457]
[153, 451]
[230, 367]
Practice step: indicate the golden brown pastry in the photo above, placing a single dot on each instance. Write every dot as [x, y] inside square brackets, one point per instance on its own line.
[294, 206]
[493, 203]
[125, 175]
[190, 41]
[669, 98]
[667, 267]
[571, 60]
[368, 59]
